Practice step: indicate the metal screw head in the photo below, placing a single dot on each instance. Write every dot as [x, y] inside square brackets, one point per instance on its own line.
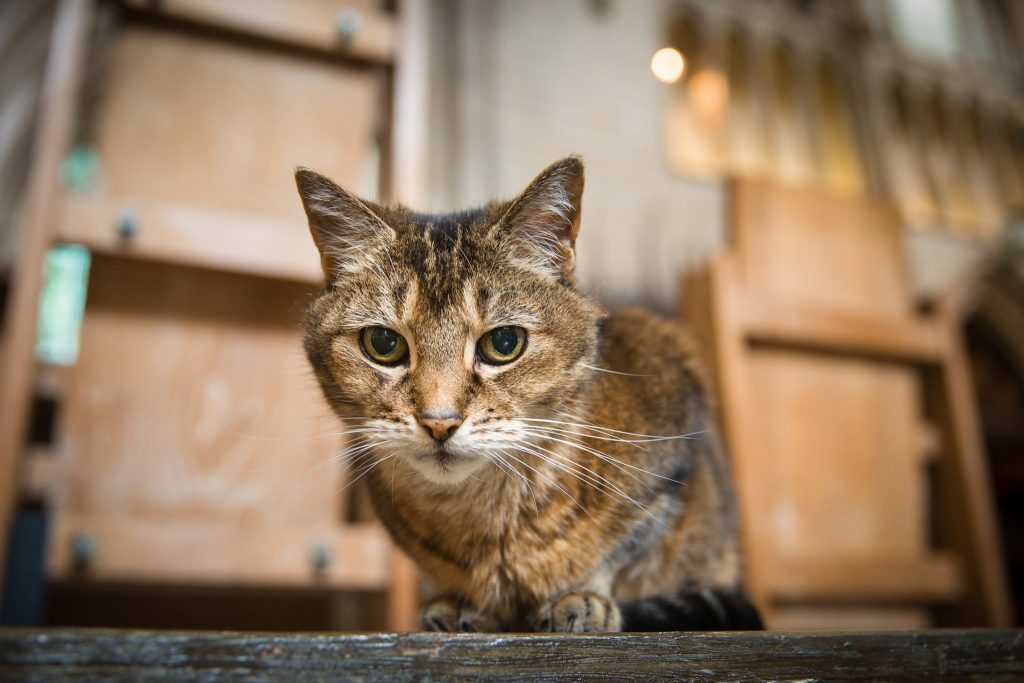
[127, 225]
[348, 22]
[84, 549]
[320, 558]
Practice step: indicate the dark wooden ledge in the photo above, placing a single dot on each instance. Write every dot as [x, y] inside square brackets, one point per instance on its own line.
[86, 654]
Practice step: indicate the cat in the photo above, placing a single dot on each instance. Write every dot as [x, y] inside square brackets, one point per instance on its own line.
[549, 466]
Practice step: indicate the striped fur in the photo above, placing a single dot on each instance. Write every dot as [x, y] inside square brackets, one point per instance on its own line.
[585, 485]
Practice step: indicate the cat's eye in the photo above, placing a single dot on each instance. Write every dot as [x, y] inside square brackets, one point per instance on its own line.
[502, 344]
[385, 346]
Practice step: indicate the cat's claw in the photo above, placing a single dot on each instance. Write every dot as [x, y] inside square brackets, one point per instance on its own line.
[578, 613]
[452, 615]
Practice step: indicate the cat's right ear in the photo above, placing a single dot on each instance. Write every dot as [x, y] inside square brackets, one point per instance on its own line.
[346, 229]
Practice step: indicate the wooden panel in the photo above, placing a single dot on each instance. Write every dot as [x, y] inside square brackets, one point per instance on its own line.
[811, 249]
[202, 237]
[186, 120]
[192, 399]
[864, 579]
[140, 550]
[836, 453]
[75, 655]
[308, 23]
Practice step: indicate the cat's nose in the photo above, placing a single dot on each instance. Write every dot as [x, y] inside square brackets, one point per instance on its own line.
[441, 427]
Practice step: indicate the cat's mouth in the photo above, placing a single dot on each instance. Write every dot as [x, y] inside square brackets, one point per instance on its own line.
[445, 463]
[444, 453]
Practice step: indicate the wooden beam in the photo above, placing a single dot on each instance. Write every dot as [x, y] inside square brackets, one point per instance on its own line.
[94, 654]
[136, 550]
[865, 580]
[967, 514]
[190, 236]
[724, 327]
[770, 322]
[58, 112]
[351, 29]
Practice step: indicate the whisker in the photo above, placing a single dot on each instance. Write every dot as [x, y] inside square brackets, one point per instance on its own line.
[549, 479]
[612, 372]
[638, 504]
[584, 424]
[604, 456]
[593, 477]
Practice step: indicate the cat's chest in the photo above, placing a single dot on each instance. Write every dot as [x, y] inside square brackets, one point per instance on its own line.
[503, 553]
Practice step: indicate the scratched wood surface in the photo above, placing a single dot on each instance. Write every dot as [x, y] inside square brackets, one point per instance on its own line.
[63, 655]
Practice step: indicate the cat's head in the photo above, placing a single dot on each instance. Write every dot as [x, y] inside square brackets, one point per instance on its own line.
[438, 334]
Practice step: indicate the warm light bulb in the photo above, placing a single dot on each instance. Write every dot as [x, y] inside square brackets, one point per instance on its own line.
[668, 65]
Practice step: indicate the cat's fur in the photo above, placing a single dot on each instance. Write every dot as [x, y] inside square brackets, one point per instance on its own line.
[568, 499]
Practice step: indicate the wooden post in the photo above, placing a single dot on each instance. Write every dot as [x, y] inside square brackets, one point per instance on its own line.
[969, 518]
[409, 115]
[58, 111]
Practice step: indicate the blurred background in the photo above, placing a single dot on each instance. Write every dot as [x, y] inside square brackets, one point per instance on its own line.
[830, 193]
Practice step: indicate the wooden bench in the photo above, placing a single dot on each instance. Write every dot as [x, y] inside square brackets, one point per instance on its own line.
[91, 654]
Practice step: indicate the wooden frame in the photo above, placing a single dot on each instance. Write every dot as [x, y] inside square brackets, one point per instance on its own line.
[733, 319]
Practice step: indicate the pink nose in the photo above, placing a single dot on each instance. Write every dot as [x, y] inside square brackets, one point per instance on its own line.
[441, 428]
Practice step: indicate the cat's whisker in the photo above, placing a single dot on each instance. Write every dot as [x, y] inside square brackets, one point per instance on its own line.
[509, 471]
[604, 456]
[640, 506]
[546, 477]
[612, 372]
[587, 425]
[366, 471]
[575, 463]
[629, 442]
[293, 461]
[597, 480]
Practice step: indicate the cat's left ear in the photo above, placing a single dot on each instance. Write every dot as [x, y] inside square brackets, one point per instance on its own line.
[346, 229]
[545, 219]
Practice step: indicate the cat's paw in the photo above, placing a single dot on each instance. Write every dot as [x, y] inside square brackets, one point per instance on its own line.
[451, 614]
[578, 613]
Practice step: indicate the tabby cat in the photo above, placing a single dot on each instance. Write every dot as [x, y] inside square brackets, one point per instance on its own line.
[551, 467]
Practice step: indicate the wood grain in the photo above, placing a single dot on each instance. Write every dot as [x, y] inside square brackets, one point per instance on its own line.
[65, 655]
[186, 120]
[191, 399]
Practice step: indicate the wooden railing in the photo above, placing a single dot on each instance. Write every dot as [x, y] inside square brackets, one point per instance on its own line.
[60, 655]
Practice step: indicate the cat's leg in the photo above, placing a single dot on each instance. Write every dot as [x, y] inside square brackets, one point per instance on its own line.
[452, 614]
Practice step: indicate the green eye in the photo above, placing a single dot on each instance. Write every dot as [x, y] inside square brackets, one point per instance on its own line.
[502, 344]
[383, 345]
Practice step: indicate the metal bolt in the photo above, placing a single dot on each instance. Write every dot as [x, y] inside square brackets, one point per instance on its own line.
[127, 225]
[320, 558]
[84, 549]
[348, 22]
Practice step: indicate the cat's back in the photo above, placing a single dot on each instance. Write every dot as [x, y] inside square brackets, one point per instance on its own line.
[649, 375]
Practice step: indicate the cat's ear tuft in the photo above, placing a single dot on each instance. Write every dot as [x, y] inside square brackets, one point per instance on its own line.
[346, 229]
[544, 220]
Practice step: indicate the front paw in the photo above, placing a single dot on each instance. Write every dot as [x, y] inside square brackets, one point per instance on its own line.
[578, 613]
[451, 614]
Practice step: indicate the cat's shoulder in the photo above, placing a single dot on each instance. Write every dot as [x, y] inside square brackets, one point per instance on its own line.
[641, 339]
